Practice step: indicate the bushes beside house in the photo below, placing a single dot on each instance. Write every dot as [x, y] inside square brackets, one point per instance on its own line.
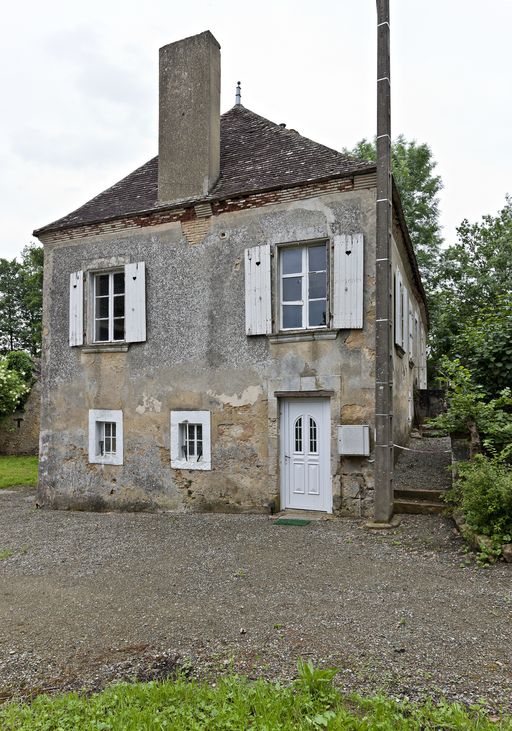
[482, 491]
[16, 378]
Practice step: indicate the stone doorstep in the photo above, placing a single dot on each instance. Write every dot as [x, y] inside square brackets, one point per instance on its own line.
[304, 514]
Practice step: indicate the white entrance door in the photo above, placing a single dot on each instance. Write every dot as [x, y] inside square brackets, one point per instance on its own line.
[306, 454]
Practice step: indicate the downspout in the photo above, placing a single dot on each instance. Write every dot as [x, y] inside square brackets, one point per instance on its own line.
[383, 510]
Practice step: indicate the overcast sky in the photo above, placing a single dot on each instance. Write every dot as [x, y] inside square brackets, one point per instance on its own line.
[80, 82]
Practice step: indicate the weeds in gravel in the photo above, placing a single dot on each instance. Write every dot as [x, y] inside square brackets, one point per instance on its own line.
[235, 703]
[18, 471]
[5, 553]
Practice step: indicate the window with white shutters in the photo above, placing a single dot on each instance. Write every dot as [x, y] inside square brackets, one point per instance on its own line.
[316, 286]
[117, 306]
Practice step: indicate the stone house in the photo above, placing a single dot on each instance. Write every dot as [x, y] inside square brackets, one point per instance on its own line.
[209, 321]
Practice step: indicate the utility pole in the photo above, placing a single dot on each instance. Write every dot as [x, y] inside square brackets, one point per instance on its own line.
[384, 280]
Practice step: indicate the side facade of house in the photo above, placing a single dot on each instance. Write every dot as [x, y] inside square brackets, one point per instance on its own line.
[201, 353]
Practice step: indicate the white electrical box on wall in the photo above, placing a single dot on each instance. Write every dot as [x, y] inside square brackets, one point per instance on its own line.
[354, 441]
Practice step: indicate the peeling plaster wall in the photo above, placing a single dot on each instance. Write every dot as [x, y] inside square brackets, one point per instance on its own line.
[197, 356]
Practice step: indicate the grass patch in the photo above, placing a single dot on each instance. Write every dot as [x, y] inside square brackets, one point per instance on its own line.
[18, 471]
[235, 704]
[5, 553]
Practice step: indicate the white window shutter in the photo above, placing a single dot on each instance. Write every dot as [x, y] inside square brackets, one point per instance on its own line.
[348, 281]
[405, 321]
[411, 331]
[423, 358]
[398, 308]
[258, 297]
[76, 308]
[135, 302]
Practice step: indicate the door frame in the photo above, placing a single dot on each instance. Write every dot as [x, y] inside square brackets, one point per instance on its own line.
[283, 425]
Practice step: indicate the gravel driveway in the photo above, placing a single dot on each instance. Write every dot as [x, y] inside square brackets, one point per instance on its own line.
[87, 597]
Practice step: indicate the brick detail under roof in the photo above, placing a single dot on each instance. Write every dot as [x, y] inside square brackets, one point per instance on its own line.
[256, 155]
[196, 230]
[182, 215]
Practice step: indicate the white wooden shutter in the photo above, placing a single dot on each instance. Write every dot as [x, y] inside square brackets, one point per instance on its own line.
[423, 358]
[348, 281]
[398, 308]
[258, 297]
[405, 320]
[411, 330]
[135, 302]
[76, 308]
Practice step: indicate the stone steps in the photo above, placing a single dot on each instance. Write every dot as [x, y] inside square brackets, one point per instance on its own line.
[419, 501]
[419, 493]
[419, 507]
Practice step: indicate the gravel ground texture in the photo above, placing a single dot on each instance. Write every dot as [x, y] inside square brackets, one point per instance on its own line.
[87, 598]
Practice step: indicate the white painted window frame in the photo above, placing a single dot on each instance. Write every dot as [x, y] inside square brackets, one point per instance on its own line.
[110, 273]
[304, 274]
[178, 461]
[98, 417]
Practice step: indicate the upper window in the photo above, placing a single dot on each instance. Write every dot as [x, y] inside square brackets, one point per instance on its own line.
[303, 280]
[109, 307]
[113, 309]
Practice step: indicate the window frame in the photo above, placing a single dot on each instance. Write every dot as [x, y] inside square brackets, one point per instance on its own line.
[98, 418]
[111, 317]
[304, 274]
[181, 420]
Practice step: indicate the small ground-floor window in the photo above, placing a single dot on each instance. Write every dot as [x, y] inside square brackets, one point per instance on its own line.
[106, 436]
[190, 440]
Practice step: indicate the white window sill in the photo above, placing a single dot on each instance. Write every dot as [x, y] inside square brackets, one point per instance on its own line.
[297, 336]
[111, 459]
[105, 348]
[183, 464]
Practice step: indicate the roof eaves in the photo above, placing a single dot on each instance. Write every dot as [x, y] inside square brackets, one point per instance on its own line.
[176, 205]
[397, 202]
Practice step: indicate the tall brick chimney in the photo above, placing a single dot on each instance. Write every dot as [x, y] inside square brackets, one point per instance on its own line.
[189, 118]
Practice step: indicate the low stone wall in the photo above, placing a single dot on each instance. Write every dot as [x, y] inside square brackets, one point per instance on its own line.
[19, 432]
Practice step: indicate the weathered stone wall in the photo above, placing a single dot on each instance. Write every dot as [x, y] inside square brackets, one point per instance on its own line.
[19, 432]
[197, 356]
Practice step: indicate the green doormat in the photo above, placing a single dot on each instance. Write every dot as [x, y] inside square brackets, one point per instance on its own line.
[291, 521]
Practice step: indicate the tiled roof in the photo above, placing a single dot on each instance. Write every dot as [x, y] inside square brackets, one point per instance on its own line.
[255, 155]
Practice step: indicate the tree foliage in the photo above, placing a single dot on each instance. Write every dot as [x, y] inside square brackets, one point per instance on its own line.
[413, 170]
[488, 422]
[21, 298]
[472, 305]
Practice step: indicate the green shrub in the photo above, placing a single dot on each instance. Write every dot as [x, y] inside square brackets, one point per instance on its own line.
[468, 405]
[13, 388]
[483, 492]
[21, 362]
